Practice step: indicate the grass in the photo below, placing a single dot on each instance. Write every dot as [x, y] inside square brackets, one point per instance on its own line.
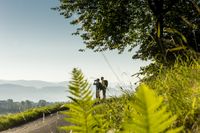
[180, 87]
[13, 120]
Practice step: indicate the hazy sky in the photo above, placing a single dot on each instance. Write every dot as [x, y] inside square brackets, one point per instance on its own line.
[36, 44]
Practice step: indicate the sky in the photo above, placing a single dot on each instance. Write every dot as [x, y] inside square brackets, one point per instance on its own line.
[36, 44]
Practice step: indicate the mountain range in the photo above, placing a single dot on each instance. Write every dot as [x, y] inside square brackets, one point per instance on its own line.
[33, 90]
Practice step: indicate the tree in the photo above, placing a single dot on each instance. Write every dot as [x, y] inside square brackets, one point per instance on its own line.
[177, 29]
[28, 104]
[10, 104]
[42, 103]
[158, 27]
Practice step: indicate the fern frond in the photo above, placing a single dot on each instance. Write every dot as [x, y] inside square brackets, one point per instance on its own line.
[150, 115]
[81, 113]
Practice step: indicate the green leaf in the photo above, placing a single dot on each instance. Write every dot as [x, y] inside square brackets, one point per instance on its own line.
[177, 48]
[150, 115]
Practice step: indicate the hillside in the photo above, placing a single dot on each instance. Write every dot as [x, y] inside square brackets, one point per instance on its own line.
[35, 83]
[33, 90]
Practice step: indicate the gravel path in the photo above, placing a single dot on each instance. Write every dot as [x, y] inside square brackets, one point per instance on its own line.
[43, 125]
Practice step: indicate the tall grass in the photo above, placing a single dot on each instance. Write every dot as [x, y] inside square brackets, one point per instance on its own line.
[180, 87]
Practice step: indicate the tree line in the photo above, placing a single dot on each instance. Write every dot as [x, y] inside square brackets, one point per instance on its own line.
[9, 106]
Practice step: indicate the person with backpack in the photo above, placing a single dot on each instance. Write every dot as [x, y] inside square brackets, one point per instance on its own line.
[98, 87]
[104, 86]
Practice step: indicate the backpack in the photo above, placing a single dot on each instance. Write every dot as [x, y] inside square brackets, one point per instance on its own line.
[106, 83]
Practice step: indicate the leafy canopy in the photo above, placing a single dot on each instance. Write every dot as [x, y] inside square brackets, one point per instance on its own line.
[159, 27]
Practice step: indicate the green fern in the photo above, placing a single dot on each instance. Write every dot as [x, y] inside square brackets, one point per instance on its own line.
[149, 115]
[81, 112]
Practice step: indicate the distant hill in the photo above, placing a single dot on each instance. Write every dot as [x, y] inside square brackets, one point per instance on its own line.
[34, 83]
[36, 90]
[33, 90]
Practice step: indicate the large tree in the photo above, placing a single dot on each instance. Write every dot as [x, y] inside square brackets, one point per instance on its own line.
[163, 29]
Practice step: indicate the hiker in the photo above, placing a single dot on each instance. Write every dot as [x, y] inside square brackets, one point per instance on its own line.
[98, 87]
[104, 86]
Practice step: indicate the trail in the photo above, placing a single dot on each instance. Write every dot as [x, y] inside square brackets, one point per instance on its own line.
[47, 124]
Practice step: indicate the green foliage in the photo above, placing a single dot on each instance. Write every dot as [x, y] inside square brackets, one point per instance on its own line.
[180, 87]
[9, 106]
[149, 115]
[111, 24]
[115, 112]
[82, 110]
[141, 112]
[11, 120]
[121, 24]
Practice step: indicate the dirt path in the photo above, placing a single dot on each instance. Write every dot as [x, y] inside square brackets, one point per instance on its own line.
[43, 125]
